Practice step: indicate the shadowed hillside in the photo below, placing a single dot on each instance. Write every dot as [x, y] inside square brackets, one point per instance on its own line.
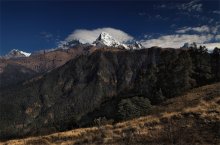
[189, 119]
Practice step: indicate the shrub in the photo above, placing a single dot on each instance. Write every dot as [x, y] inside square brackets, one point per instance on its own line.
[133, 107]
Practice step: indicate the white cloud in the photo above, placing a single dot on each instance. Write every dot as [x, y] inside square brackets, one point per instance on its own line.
[160, 6]
[201, 29]
[176, 40]
[216, 12]
[191, 6]
[47, 36]
[160, 17]
[217, 37]
[211, 46]
[215, 29]
[163, 6]
[211, 20]
[203, 35]
[88, 36]
[142, 14]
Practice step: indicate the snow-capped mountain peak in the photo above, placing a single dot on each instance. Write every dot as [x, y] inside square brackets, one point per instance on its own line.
[15, 53]
[136, 45]
[107, 40]
[105, 36]
[69, 44]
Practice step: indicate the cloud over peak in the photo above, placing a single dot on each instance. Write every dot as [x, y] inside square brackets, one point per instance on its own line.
[89, 36]
[203, 35]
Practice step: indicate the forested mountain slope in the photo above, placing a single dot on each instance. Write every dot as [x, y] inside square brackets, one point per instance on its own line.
[105, 83]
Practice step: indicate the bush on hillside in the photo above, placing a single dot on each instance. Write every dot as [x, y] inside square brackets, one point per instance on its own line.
[133, 107]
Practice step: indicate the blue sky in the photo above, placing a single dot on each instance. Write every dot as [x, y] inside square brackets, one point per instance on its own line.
[35, 25]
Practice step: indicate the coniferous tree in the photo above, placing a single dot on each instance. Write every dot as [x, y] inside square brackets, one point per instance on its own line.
[174, 74]
[157, 96]
[201, 67]
[216, 64]
[147, 79]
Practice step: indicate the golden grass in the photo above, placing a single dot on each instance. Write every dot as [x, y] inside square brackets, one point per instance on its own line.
[188, 119]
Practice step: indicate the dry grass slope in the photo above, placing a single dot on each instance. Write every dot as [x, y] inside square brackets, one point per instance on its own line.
[193, 118]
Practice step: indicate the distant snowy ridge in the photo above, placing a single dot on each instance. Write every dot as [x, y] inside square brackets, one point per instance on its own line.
[135, 45]
[25, 53]
[104, 39]
[15, 53]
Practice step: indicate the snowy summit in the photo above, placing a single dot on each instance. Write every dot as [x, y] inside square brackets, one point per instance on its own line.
[106, 40]
[15, 53]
